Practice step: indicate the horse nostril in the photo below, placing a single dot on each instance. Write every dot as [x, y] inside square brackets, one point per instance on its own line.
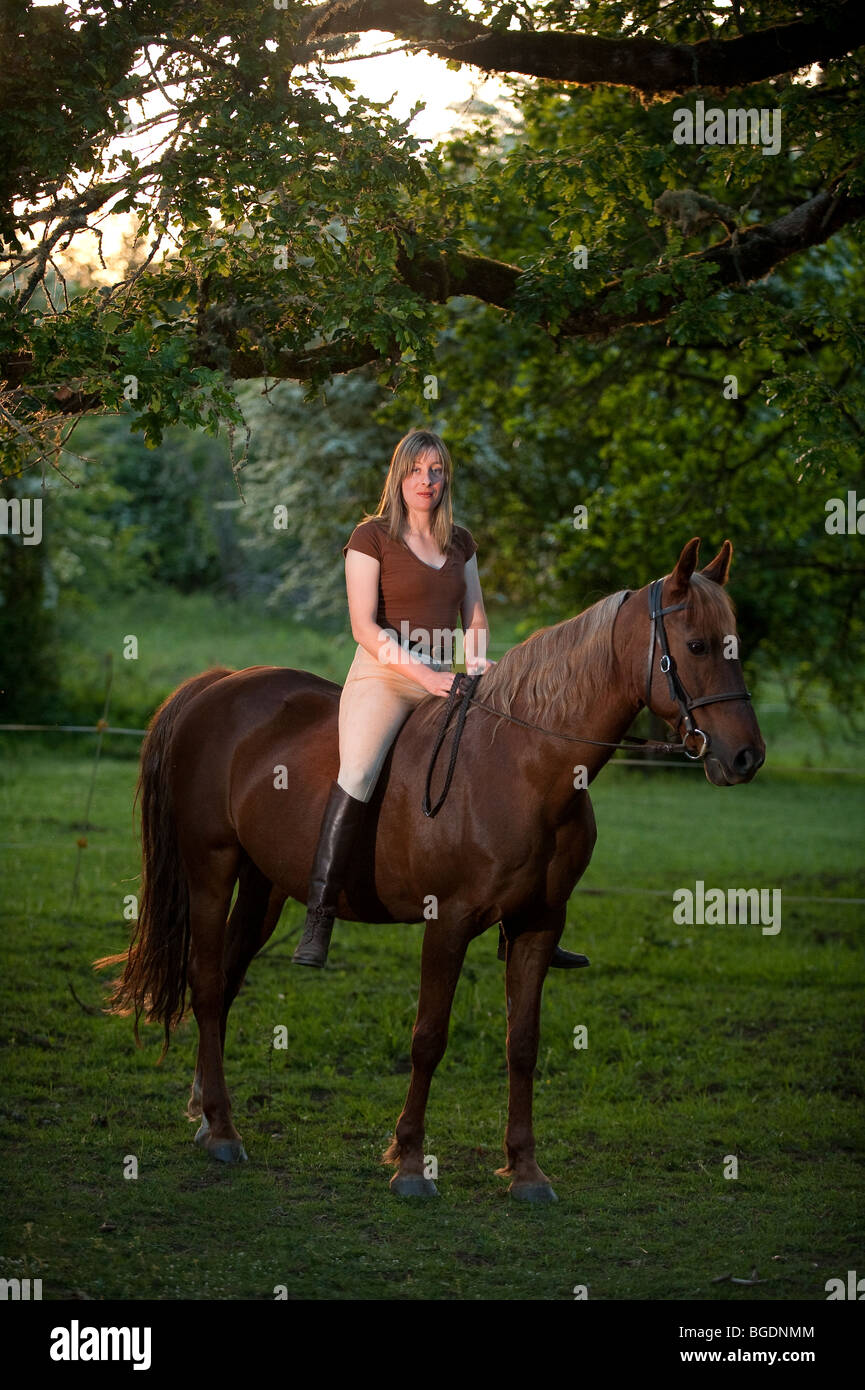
[746, 760]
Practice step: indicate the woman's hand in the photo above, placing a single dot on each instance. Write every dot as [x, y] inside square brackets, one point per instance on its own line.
[439, 682]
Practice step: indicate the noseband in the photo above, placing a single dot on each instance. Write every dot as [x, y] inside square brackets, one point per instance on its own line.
[678, 693]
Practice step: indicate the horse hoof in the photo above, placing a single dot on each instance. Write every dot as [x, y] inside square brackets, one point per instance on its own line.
[413, 1186]
[310, 955]
[534, 1192]
[224, 1150]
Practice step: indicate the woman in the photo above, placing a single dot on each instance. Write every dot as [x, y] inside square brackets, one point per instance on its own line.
[409, 570]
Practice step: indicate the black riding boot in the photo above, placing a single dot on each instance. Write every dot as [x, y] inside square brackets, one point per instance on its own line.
[562, 960]
[341, 819]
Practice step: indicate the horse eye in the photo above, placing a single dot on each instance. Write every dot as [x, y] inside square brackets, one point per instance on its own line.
[697, 647]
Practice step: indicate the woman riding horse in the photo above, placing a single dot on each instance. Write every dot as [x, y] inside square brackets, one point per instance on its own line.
[408, 571]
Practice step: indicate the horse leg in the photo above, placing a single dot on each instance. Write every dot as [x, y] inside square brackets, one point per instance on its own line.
[249, 929]
[252, 921]
[210, 892]
[528, 958]
[442, 959]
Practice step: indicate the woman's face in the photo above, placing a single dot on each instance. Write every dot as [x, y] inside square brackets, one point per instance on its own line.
[423, 485]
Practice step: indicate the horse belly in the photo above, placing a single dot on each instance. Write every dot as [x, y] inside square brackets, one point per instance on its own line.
[480, 859]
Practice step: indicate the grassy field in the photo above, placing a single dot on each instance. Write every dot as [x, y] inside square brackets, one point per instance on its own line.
[703, 1042]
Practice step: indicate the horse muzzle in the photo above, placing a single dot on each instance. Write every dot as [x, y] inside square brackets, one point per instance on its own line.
[731, 772]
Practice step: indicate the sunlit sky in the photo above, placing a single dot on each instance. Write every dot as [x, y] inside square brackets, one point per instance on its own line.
[419, 77]
[400, 78]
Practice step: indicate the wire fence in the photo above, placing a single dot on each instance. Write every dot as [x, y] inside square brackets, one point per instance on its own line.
[665, 893]
[102, 727]
[647, 762]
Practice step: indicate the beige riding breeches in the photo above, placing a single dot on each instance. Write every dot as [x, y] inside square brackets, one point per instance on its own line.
[376, 701]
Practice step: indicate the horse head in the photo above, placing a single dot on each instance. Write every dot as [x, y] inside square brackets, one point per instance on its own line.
[693, 674]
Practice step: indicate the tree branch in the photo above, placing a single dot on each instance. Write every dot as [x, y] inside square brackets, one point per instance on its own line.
[644, 65]
[334, 358]
[438, 278]
[759, 250]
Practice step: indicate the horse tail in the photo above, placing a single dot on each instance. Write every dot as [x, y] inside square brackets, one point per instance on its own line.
[153, 982]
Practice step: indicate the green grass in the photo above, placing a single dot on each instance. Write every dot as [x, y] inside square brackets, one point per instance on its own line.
[703, 1042]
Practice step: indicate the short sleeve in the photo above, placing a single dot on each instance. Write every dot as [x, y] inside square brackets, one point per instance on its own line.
[467, 541]
[367, 538]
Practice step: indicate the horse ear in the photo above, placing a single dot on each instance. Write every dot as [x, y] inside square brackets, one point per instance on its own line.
[685, 566]
[719, 569]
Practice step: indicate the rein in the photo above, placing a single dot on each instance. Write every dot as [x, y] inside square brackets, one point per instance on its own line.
[464, 687]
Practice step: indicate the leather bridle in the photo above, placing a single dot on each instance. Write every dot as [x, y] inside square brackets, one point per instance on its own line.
[678, 693]
[463, 694]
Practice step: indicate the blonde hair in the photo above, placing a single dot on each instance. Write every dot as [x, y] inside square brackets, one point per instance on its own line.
[392, 509]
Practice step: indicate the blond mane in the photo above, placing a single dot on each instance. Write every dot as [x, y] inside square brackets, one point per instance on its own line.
[542, 667]
[577, 657]
[710, 602]
[574, 662]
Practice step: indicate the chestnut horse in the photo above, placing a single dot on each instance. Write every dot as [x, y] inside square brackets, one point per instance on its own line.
[235, 773]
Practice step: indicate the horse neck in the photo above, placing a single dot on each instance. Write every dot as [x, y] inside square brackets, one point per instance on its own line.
[604, 717]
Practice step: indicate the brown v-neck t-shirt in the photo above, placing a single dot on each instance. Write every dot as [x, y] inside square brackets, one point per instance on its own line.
[409, 590]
